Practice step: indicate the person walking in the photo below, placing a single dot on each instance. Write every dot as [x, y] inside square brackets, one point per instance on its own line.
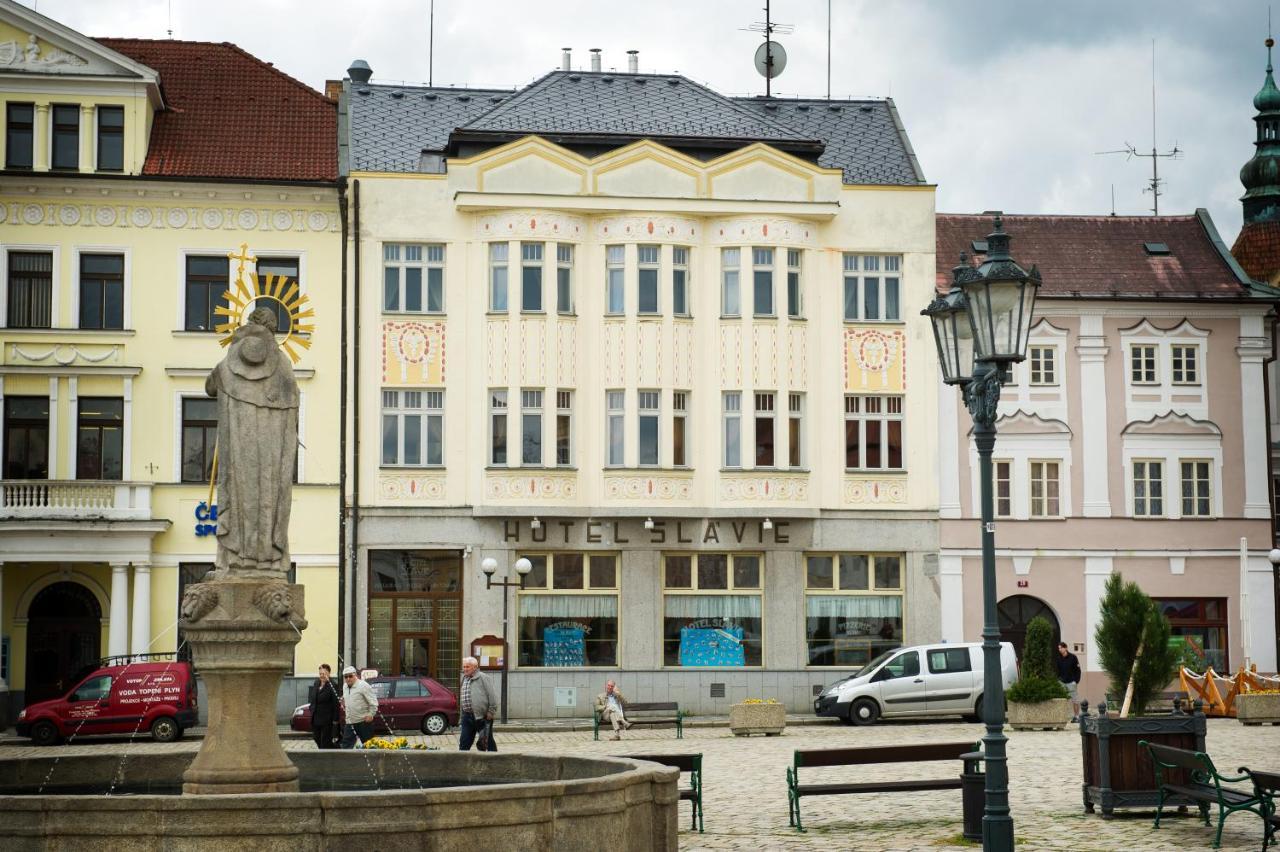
[324, 700]
[611, 707]
[1069, 674]
[359, 705]
[478, 704]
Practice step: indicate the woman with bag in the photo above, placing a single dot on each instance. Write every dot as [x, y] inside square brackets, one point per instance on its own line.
[324, 709]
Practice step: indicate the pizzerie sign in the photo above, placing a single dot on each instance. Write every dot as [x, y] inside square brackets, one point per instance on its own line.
[700, 532]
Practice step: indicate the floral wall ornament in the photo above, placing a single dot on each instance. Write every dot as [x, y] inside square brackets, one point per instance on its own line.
[413, 353]
[875, 360]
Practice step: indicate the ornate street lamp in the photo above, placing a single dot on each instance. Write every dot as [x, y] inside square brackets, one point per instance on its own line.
[489, 565]
[996, 301]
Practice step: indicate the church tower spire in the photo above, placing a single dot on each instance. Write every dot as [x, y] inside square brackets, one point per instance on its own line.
[1257, 249]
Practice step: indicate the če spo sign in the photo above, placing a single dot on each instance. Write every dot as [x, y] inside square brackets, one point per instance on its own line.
[206, 519]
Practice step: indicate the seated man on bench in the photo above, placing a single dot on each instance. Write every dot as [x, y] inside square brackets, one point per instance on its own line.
[611, 707]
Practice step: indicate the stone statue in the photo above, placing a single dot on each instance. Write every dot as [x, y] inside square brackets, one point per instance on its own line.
[257, 451]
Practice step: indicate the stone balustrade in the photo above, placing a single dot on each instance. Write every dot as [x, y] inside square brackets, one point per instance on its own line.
[74, 499]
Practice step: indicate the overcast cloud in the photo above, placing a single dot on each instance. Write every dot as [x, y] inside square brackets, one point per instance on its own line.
[1005, 102]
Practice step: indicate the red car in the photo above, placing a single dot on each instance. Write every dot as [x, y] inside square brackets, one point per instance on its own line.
[404, 704]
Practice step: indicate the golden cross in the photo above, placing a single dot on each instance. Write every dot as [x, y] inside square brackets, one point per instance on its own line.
[242, 257]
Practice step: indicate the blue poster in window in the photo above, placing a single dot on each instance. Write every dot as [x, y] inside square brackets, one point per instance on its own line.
[564, 646]
[711, 646]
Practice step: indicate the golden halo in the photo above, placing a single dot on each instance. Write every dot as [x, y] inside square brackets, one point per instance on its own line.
[280, 289]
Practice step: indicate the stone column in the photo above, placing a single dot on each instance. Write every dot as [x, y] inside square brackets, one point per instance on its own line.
[141, 610]
[41, 137]
[87, 128]
[118, 638]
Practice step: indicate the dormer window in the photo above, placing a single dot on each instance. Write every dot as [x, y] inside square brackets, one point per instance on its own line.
[110, 138]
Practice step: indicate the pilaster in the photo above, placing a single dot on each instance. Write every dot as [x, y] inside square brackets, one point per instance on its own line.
[40, 160]
[1097, 569]
[141, 641]
[1253, 352]
[1091, 352]
[118, 637]
[87, 133]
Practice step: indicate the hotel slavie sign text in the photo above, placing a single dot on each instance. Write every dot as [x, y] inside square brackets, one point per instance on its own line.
[718, 532]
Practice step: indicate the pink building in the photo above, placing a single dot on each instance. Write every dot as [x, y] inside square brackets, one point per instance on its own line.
[1133, 439]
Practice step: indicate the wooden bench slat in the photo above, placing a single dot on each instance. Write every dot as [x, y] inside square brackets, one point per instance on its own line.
[650, 705]
[879, 787]
[881, 754]
[683, 762]
[1209, 794]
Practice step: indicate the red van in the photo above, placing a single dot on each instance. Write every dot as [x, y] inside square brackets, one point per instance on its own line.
[118, 697]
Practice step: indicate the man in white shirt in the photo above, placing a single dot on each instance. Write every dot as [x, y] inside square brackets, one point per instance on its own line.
[359, 705]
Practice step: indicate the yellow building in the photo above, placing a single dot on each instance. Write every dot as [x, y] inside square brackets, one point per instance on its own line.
[136, 173]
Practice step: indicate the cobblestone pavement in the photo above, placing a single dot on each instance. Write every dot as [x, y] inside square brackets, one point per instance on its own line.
[745, 791]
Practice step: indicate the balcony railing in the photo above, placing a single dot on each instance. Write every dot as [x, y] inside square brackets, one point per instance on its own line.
[86, 499]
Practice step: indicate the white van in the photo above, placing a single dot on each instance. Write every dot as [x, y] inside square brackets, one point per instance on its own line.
[924, 680]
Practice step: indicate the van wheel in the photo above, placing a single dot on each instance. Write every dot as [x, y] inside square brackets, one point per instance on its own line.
[44, 734]
[976, 715]
[864, 712]
[435, 724]
[164, 730]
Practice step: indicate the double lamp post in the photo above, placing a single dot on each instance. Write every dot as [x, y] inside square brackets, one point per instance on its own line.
[489, 566]
[981, 328]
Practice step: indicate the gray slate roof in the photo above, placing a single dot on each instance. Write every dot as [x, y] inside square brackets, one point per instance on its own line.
[864, 138]
[392, 125]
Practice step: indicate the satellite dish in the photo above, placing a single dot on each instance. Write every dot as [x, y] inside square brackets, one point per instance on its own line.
[762, 59]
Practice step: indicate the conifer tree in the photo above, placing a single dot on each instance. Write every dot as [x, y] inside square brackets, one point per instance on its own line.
[1129, 620]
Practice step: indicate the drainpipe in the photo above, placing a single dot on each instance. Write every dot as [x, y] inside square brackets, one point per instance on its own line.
[344, 646]
[355, 428]
[1266, 401]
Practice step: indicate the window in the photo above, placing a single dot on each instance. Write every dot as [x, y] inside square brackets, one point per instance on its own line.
[764, 429]
[403, 268]
[1043, 369]
[31, 289]
[564, 278]
[1186, 361]
[207, 279]
[762, 281]
[647, 406]
[1200, 626]
[564, 428]
[1142, 365]
[1004, 488]
[100, 438]
[101, 291]
[498, 277]
[567, 609]
[497, 426]
[712, 609]
[19, 135]
[412, 428]
[94, 689]
[793, 283]
[26, 437]
[795, 430]
[1148, 488]
[531, 277]
[1196, 492]
[948, 660]
[110, 138]
[730, 292]
[853, 607]
[284, 267]
[679, 423]
[875, 293]
[1044, 490]
[615, 280]
[414, 612]
[733, 429]
[648, 285]
[680, 281]
[66, 136]
[615, 408]
[199, 435]
[531, 427]
[873, 433]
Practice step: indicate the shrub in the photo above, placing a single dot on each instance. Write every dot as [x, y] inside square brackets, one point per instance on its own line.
[1127, 618]
[1038, 679]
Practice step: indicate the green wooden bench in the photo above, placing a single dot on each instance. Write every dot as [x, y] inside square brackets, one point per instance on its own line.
[810, 758]
[691, 763]
[1267, 786]
[1191, 774]
[671, 707]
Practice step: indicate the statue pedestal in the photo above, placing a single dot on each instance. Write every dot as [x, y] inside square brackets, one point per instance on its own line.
[242, 641]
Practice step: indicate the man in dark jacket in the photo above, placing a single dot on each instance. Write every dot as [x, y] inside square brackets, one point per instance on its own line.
[1069, 674]
[324, 709]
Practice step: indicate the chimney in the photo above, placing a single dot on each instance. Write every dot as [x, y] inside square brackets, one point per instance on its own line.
[359, 72]
[566, 60]
[633, 61]
[332, 89]
[595, 59]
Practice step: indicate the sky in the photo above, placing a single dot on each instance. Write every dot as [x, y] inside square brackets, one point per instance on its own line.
[1007, 102]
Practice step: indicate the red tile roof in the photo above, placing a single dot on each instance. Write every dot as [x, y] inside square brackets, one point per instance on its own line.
[1090, 256]
[1257, 249]
[231, 115]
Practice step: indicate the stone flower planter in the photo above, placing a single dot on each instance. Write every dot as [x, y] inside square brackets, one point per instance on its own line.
[768, 719]
[1258, 708]
[1051, 715]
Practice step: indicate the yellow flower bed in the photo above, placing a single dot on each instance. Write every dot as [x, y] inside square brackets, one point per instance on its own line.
[385, 744]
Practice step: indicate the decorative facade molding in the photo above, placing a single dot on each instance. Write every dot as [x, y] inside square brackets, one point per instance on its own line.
[650, 229]
[1172, 423]
[793, 487]
[542, 485]
[64, 354]
[775, 230]
[875, 360]
[33, 56]
[530, 223]
[1028, 423]
[413, 353]
[629, 486]
[168, 218]
[411, 486]
[860, 491]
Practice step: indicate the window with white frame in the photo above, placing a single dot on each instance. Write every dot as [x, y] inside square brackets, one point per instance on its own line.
[1148, 488]
[564, 428]
[764, 429]
[207, 278]
[732, 429]
[615, 280]
[567, 610]
[872, 287]
[412, 428]
[795, 429]
[497, 426]
[412, 278]
[647, 428]
[853, 607]
[530, 426]
[1142, 364]
[288, 268]
[102, 291]
[680, 281]
[712, 613]
[1197, 487]
[499, 290]
[531, 277]
[647, 287]
[1003, 474]
[564, 278]
[1044, 368]
[615, 426]
[1185, 363]
[730, 283]
[679, 428]
[793, 283]
[762, 282]
[1045, 502]
[873, 432]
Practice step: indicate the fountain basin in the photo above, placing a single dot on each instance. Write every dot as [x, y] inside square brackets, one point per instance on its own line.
[493, 801]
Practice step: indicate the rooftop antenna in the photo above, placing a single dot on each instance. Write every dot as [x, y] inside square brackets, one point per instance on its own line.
[171, 20]
[1113, 199]
[770, 58]
[1174, 153]
[431, 43]
[828, 49]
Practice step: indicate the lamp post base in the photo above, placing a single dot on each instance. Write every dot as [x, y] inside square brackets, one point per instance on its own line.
[997, 834]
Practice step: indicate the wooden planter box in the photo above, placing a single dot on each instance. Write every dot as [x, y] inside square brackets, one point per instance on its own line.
[1051, 715]
[1117, 771]
[746, 719]
[1253, 709]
